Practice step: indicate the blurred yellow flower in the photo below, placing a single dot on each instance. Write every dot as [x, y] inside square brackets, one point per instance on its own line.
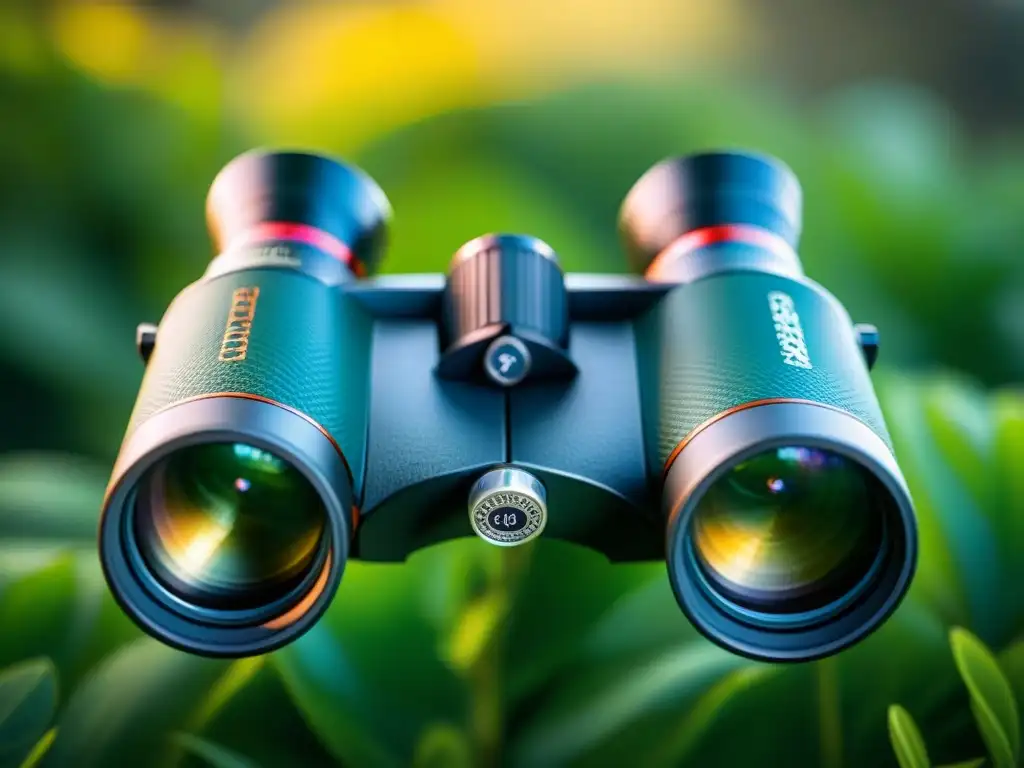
[316, 73]
[107, 40]
[547, 42]
[338, 74]
[335, 75]
[178, 58]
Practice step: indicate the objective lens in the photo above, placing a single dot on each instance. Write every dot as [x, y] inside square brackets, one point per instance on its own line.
[790, 530]
[229, 526]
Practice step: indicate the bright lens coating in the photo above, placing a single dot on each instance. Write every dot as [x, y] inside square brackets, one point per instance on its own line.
[789, 530]
[229, 526]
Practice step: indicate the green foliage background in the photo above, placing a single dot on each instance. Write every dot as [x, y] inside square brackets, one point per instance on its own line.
[545, 655]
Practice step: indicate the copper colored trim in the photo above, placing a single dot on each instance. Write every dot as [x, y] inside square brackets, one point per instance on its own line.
[115, 480]
[299, 610]
[725, 233]
[736, 409]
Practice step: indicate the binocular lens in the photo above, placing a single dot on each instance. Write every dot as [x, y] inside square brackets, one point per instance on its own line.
[790, 530]
[229, 527]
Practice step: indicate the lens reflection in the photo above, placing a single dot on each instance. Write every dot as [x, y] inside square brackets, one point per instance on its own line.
[791, 529]
[229, 526]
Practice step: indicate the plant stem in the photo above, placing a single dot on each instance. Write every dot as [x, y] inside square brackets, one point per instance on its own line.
[829, 713]
[485, 677]
[485, 681]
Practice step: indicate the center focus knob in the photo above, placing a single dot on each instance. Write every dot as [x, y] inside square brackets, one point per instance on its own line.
[505, 312]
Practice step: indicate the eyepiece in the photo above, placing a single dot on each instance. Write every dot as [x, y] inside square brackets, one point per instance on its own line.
[334, 204]
[716, 189]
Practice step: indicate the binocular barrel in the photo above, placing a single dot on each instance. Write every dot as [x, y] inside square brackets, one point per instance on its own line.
[230, 512]
[790, 532]
[762, 471]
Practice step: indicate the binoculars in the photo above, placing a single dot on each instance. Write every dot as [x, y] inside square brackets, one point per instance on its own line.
[713, 409]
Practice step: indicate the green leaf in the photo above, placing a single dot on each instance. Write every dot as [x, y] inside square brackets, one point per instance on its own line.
[650, 605]
[368, 677]
[906, 739]
[578, 587]
[937, 580]
[443, 746]
[55, 591]
[992, 701]
[1011, 661]
[454, 576]
[906, 660]
[996, 741]
[39, 606]
[40, 749]
[65, 611]
[211, 754]
[94, 624]
[238, 676]
[591, 708]
[830, 725]
[251, 713]
[1007, 489]
[481, 620]
[129, 706]
[263, 720]
[91, 358]
[975, 763]
[681, 743]
[906, 212]
[960, 422]
[779, 709]
[339, 702]
[641, 624]
[50, 498]
[28, 700]
[957, 446]
[48, 504]
[465, 596]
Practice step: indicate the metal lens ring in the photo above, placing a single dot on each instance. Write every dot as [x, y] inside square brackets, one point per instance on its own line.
[268, 586]
[792, 545]
[226, 531]
[788, 533]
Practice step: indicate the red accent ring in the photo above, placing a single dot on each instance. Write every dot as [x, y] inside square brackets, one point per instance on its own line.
[282, 231]
[724, 233]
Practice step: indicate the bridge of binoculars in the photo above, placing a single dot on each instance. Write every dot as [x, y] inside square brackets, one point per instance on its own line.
[713, 410]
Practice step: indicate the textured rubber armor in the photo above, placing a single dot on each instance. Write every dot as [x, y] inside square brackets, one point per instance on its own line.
[308, 348]
[713, 345]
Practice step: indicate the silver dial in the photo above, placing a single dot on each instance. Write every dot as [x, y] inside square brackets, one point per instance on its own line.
[508, 507]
